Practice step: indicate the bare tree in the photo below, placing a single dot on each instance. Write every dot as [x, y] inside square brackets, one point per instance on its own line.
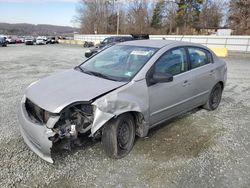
[240, 16]
[169, 16]
[138, 20]
[96, 16]
[211, 14]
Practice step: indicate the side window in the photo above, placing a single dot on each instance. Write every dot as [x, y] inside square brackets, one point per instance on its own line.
[173, 62]
[128, 39]
[199, 57]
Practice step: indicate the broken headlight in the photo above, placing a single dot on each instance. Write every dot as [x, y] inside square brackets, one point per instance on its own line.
[79, 116]
[36, 113]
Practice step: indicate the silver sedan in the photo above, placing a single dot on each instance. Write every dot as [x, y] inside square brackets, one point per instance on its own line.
[119, 93]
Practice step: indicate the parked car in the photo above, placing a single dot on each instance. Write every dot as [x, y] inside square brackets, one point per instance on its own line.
[121, 92]
[22, 39]
[29, 41]
[88, 44]
[19, 40]
[52, 40]
[110, 41]
[41, 40]
[10, 40]
[3, 41]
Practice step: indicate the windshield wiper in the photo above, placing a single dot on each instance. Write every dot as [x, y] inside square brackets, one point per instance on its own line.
[84, 70]
[79, 68]
[96, 74]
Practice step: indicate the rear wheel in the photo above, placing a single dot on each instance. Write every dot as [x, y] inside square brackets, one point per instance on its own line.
[214, 97]
[118, 136]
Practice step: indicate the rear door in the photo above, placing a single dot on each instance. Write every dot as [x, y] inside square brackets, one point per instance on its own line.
[203, 72]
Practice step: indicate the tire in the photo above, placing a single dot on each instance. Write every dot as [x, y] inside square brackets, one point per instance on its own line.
[118, 136]
[85, 45]
[214, 98]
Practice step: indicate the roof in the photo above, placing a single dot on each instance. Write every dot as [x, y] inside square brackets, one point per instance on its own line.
[160, 43]
[120, 37]
[150, 43]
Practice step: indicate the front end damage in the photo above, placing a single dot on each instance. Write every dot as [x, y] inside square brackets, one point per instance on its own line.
[41, 129]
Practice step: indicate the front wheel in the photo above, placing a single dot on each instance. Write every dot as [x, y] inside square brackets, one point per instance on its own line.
[118, 136]
[214, 97]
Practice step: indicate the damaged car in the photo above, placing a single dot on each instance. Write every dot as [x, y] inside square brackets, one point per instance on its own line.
[121, 92]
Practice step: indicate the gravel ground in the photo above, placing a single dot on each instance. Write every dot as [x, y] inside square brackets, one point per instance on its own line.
[197, 149]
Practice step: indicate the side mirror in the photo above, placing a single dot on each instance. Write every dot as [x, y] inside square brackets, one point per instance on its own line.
[159, 77]
[88, 54]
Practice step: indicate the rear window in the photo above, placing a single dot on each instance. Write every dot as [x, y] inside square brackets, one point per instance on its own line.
[199, 57]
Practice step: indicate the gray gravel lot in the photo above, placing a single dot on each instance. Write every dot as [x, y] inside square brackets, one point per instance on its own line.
[197, 149]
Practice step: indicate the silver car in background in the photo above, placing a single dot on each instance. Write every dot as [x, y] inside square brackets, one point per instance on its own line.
[119, 93]
[41, 40]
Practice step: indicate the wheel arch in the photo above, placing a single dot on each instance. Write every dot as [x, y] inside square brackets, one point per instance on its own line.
[141, 127]
[222, 84]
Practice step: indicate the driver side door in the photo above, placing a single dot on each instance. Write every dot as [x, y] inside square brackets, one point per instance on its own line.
[170, 98]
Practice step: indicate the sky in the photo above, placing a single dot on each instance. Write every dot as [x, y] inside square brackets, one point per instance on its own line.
[55, 12]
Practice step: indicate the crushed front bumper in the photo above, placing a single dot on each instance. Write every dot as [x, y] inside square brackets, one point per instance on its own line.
[35, 135]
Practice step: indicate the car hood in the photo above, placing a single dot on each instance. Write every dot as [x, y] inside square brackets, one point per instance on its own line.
[57, 91]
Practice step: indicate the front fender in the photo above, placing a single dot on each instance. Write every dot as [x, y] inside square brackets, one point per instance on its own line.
[131, 97]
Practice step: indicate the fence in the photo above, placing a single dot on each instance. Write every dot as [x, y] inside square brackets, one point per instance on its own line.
[232, 43]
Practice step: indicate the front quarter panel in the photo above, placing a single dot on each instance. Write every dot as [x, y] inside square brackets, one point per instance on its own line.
[131, 97]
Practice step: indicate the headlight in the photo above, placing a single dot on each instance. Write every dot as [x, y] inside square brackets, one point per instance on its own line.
[46, 116]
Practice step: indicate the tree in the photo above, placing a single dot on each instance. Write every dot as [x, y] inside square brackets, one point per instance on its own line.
[157, 15]
[188, 14]
[169, 13]
[96, 16]
[239, 18]
[211, 14]
[138, 20]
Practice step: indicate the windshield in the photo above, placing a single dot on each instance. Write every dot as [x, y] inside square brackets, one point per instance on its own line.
[119, 63]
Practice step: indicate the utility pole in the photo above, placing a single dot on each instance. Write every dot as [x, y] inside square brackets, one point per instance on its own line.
[118, 18]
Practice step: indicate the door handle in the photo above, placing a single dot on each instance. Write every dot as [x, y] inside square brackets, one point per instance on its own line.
[211, 72]
[185, 83]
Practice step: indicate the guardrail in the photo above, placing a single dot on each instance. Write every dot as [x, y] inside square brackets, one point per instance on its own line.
[232, 43]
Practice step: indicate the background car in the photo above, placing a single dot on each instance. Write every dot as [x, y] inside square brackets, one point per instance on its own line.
[110, 41]
[52, 40]
[3, 41]
[41, 40]
[29, 41]
[11, 40]
[19, 40]
[88, 44]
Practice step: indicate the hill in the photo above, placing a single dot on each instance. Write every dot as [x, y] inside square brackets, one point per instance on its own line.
[31, 29]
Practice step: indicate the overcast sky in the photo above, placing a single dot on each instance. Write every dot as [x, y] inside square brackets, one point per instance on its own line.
[56, 12]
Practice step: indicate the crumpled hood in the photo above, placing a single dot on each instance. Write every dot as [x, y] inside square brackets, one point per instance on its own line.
[57, 91]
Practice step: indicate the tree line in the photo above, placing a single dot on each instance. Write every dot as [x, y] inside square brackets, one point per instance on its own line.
[163, 16]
